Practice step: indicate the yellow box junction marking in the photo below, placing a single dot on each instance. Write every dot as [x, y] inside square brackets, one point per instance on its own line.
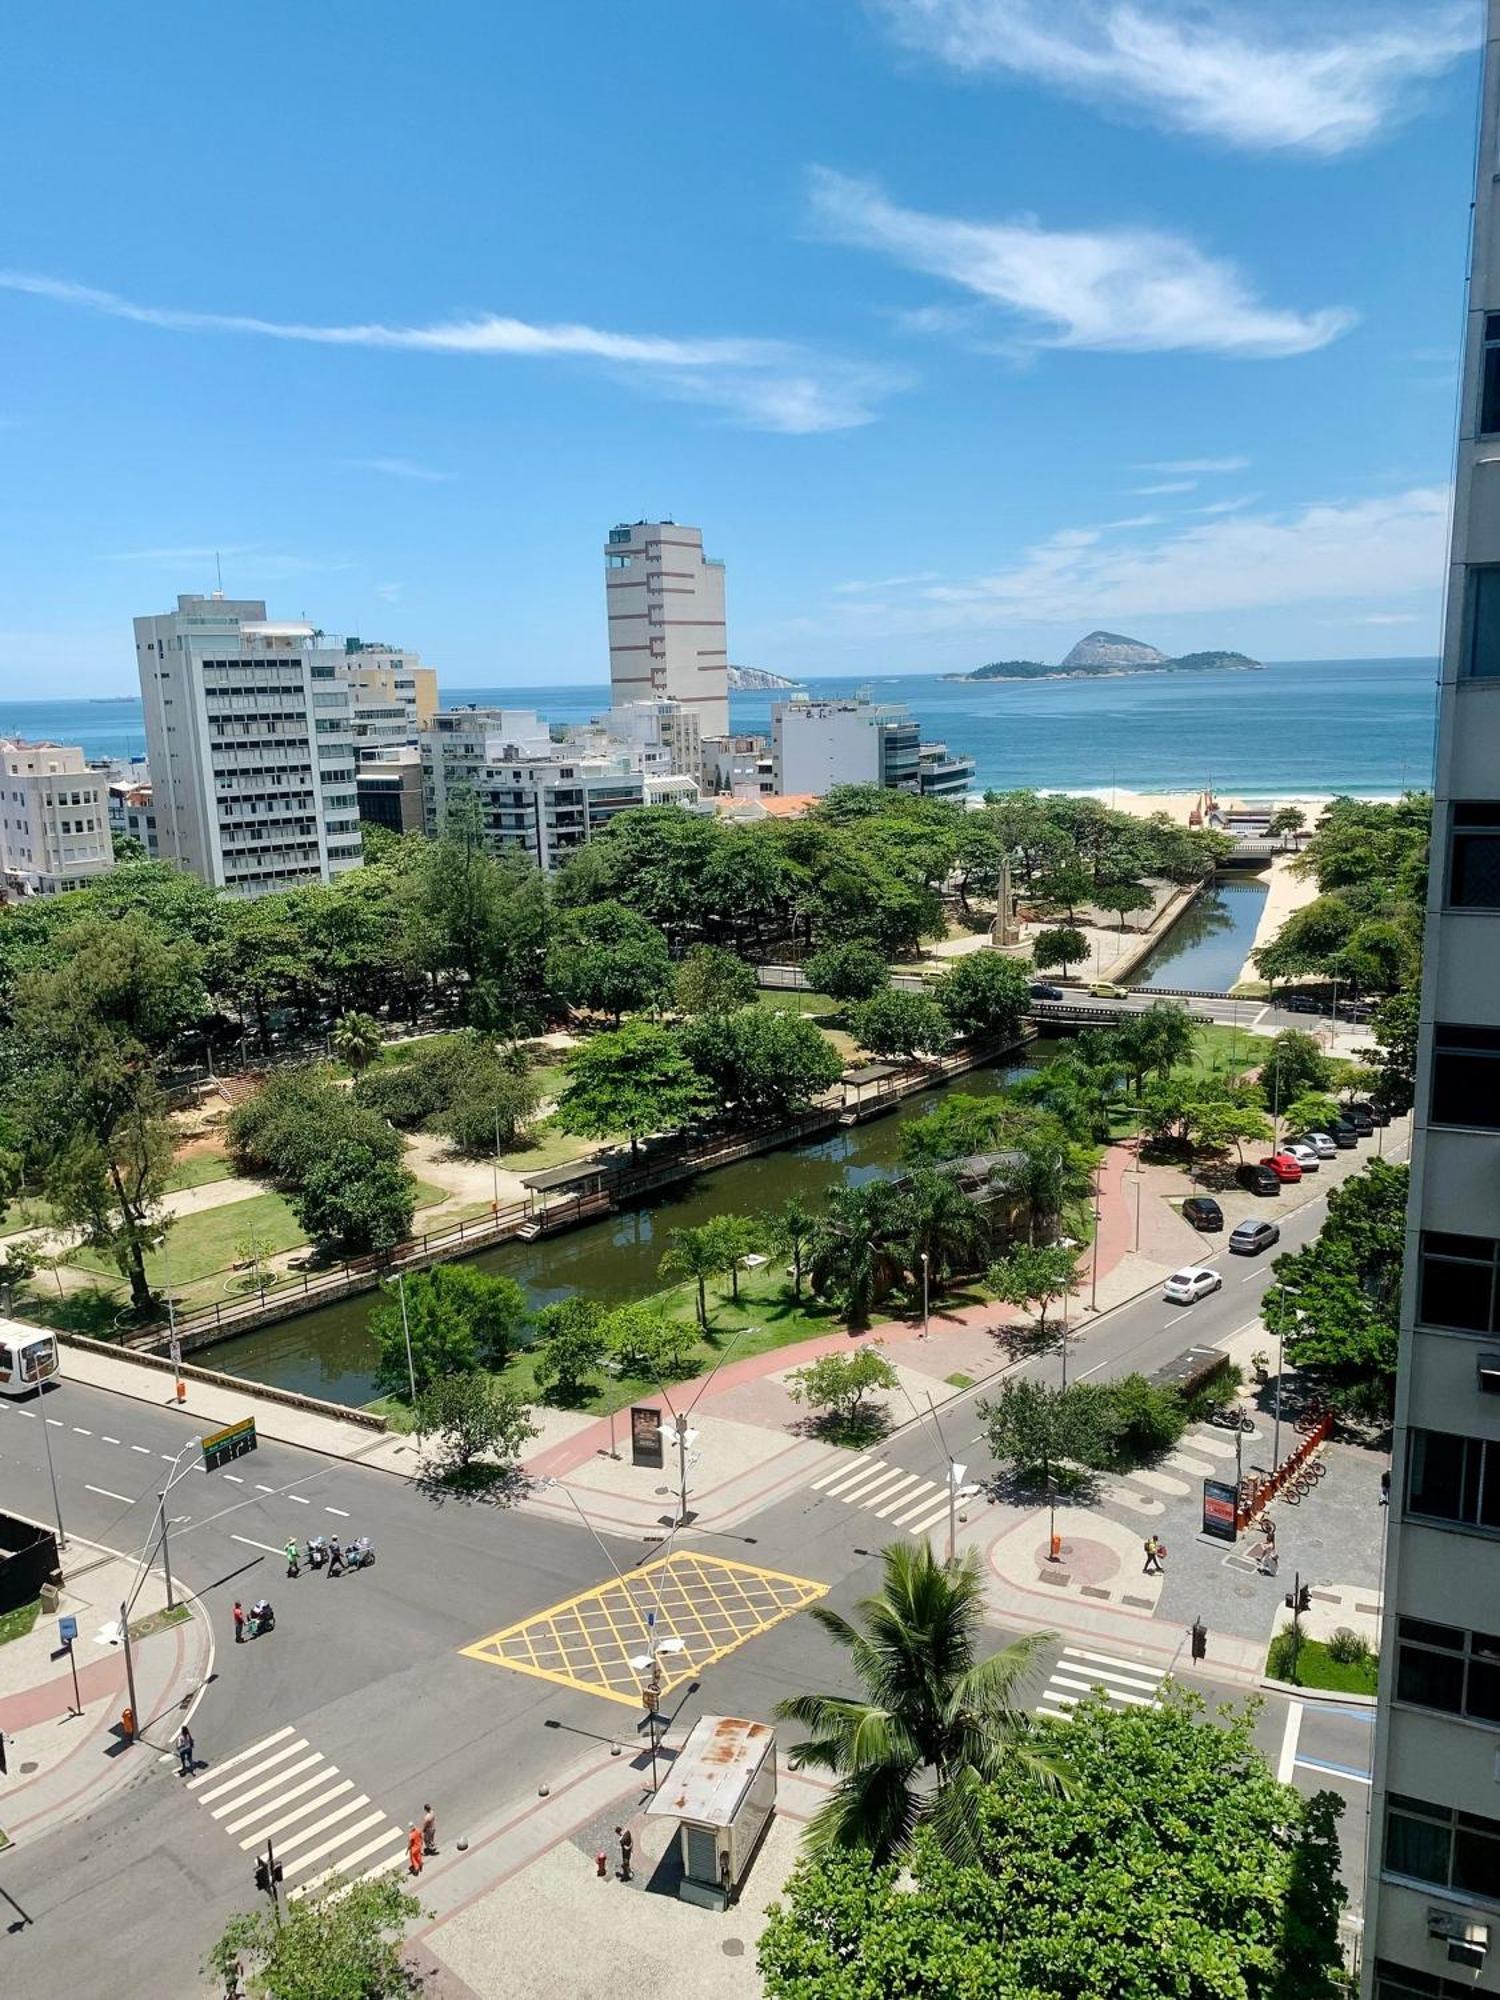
[711, 1604]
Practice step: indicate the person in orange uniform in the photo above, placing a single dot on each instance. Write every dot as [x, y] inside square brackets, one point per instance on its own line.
[414, 1849]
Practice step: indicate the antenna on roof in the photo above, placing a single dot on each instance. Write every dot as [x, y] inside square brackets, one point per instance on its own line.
[219, 572]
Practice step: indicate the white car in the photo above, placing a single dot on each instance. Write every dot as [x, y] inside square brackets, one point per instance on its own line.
[1321, 1144]
[1186, 1287]
[1305, 1154]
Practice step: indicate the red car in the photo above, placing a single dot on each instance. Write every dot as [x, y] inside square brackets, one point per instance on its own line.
[1283, 1166]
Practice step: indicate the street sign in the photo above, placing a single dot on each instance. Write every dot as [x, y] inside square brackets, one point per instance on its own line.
[219, 1447]
[645, 1436]
[67, 1629]
[175, 1351]
[1219, 1498]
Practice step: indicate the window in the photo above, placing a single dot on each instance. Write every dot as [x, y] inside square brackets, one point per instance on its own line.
[1480, 658]
[1453, 1479]
[1454, 1850]
[1457, 1285]
[1466, 1076]
[1489, 386]
[1399, 1982]
[1474, 858]
[1442, 1667]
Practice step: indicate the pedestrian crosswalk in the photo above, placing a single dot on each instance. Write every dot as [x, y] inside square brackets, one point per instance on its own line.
[1123, 1683]
[282, 1790]
[911, 1504]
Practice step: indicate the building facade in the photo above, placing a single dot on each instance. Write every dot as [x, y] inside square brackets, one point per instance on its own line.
[132, 815]
[664, 601]
[249, 733]
[389, 789]
[1432, 1921]
[816, 745]
[54, 819]
[395, 696]
[535, 797]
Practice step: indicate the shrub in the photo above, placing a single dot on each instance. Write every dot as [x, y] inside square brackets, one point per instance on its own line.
[1146, 1420]
[1347, 1647]
[294, 1122]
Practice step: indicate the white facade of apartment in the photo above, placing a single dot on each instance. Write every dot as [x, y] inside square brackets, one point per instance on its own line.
[536, 797]
[816, 745]
[132, 815]
[54, 819]
[249, 738]
[1432, 1919]
[664, 600]
[395, 696]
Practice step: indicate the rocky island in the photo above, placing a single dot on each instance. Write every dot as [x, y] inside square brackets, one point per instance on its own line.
[1107, 653]
[751, 680]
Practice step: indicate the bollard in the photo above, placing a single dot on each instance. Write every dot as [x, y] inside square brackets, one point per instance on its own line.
[601, 1864]
[182, 1392]
[1056, 1548]
[127, 1723]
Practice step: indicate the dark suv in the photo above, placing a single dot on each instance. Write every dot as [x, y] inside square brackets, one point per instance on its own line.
[1345, 1134]
[1258, 1179]
[1374, 1110]
[1203, 1212]
[1248, 1239]
[1358, 1115]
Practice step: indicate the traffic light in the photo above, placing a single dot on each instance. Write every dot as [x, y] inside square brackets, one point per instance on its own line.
[1200, 1639]
[267, 1876]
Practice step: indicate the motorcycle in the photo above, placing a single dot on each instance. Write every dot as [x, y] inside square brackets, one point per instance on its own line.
[317, 1552]
[360, 1553]
[262, 1619]
[1231, 1417]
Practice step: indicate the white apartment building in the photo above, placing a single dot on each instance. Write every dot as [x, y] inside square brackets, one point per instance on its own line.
[395, 696]
[816, 745]
[54, 819]
[132, 815]
[249, 737]
[1432, 1918]
[664, 600]
[662, 736]
[536, 797]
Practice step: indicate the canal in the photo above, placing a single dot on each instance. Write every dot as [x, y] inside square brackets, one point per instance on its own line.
[329, 1352]
[1206, 947]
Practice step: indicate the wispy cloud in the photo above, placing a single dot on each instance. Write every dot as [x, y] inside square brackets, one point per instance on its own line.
[769, 385]
[1320, 79]
[400, 468]
[389, 593]
[254, 565]
[1228, 506]
[1166, 486]
[1326, 551]
[886, 582]
[1135, 290]
[1175, 465]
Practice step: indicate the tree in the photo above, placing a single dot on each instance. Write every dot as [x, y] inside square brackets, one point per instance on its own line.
[859, 1253]
[1174, 1863]
[295, 1119]
[837, 1386]
[493, 1099]
[1286, 823]
[611, 961]
[847, 972]
[1154, 1042]
[1395, 1028]
[646, 1343]
[1312, 1112]
[1060, 947]
[1338, 1299]
[734, 1238]
[899, 1024]
[1294, 1066]
[1035, 1428]
[1064, 888]
[696, 1254]
[464, 894]
[459, 1318]
[1308, 940]
[765, 1065]
[341, 1947]
[984, 994]
[472, 1415]
[352, 1203]
[933, 1721]
[791, 1229]
[1122, 898]
[571, 1346]
[943, 1226]
[713, 981]
[356, 1040]
[630, 1084]
[1030, 1276]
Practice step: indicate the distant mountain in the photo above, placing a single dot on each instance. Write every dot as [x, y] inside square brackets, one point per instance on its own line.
[1106, 653]
[748, 680]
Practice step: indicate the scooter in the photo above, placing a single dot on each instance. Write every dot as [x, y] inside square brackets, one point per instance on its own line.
[360, 1553]
[317, 1552]
[262, 1619]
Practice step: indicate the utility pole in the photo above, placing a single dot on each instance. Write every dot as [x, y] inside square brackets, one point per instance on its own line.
[62, 1539]
[1094, 1260]
[411, 1373]
[924, 1294]
[682, 1469]
[129, 1670]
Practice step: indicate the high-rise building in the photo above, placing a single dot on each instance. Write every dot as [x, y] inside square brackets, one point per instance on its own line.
[1432, 1918]
[54, 819]
[249, 736]
[535, 797]
[664, 599]
[395, 696]
[816, 745]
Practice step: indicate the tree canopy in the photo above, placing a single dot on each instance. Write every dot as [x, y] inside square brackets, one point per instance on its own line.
[1341, 1306]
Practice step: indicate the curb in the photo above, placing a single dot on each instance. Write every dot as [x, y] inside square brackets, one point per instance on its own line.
[1296, 1693]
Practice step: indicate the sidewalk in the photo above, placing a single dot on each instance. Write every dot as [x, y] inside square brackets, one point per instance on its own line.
[63, 1764]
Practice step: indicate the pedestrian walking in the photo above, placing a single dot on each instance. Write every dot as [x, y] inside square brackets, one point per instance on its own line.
[335, 1557]
[238, 1615]
[429, 1830]
[293, 1557]
[414, 1850]
[1152, 1563]
[1385, 1488]
[185, 1751]
[627, 1848]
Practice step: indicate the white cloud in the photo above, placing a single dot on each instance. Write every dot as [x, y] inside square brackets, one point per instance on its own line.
[400, 468]
[1130, 290]
[1324, 551]
[1194, 465]
[1166, 486]
[886, 583]
[256, 565]
[389, 593]
[1321, 79]
[1227, 506]
[769, 385]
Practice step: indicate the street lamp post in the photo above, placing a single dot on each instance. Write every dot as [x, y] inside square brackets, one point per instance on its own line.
[411, 1373]
[1094, 1260]
[495, 1197]
[924, 1294]
[62, 1539]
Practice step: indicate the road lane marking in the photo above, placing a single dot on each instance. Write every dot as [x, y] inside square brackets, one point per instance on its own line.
[142, 1449]
[234, 1479]
[167, 1456]
[1289, 1738]
[267, 1784]
[257, 1545]
[124, 1498]
[82, 1432]
[239, 1757]
[299, 1499]
[269, 1806]
[1337, 1770]
[109, 1440]
[57, 1423]
[342, 1512]
[262, 1489]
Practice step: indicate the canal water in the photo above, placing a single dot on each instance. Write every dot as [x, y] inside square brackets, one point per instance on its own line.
[329, 1352]
[1206, 947]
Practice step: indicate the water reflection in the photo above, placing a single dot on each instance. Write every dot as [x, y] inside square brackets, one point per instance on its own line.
[1209, 943]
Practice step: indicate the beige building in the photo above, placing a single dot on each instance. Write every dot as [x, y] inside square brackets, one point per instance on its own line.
[395, 696]
[54, 819]
[664, 600]
[1432, 1921]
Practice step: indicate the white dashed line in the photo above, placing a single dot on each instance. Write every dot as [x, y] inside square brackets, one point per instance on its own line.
[82, 1432]
[234, 1479]
[124, 1498]
[57, 1423]
[342, 1512]
[264, 1489]
[107, 1439]
[167, 1456]
[141, 1449]
[299, 1499]
[257, 1545]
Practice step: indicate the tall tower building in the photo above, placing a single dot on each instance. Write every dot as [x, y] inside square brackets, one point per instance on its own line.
[1432, 1920]
[249, 738]
[665, 603]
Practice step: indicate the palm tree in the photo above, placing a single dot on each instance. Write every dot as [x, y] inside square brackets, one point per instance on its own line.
[933, 1721]
[697, 1254]
[356, 1040]
[858, 1254]
[943, 1223]
[792, 1228]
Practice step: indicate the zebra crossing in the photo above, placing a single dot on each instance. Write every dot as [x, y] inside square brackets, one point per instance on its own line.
[1078, 1672]
[282, 1790]
[907, 1501]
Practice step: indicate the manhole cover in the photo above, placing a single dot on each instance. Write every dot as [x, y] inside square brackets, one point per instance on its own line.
[733, 1947]
[27, 1768]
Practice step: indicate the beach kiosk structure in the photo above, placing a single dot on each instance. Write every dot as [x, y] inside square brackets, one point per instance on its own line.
[722, 1791]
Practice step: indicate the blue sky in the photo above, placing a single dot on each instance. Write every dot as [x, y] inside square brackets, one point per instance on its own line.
[960, 326]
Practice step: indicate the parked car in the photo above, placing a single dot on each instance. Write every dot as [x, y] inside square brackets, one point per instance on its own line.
[1344, 1135]
[1203, 1212]
[1306, 1156]
[1378, 1113]
[1300, 1003]
[1320, 1142]
[1258, 1179]
[1248, 1239]
[1041, 991]
[1187, 1286]
[1283, 1166]
[1359, 1117]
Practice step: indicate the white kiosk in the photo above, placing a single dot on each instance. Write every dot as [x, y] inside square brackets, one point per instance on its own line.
[722, 1791]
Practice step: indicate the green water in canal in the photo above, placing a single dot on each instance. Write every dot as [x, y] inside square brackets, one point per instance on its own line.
[329, 1352]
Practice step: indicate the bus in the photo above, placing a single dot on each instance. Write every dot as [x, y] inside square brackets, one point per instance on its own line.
[28, 1358]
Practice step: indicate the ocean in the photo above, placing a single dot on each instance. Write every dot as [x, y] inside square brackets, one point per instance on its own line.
[1298, 727]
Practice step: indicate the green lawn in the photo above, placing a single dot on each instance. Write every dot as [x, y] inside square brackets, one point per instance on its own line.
[198, 1169]
[549, 1146]
[16, 1624]
[1315, 1669]
[26, 1212]
[789, 1001]
[1228, 1049]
